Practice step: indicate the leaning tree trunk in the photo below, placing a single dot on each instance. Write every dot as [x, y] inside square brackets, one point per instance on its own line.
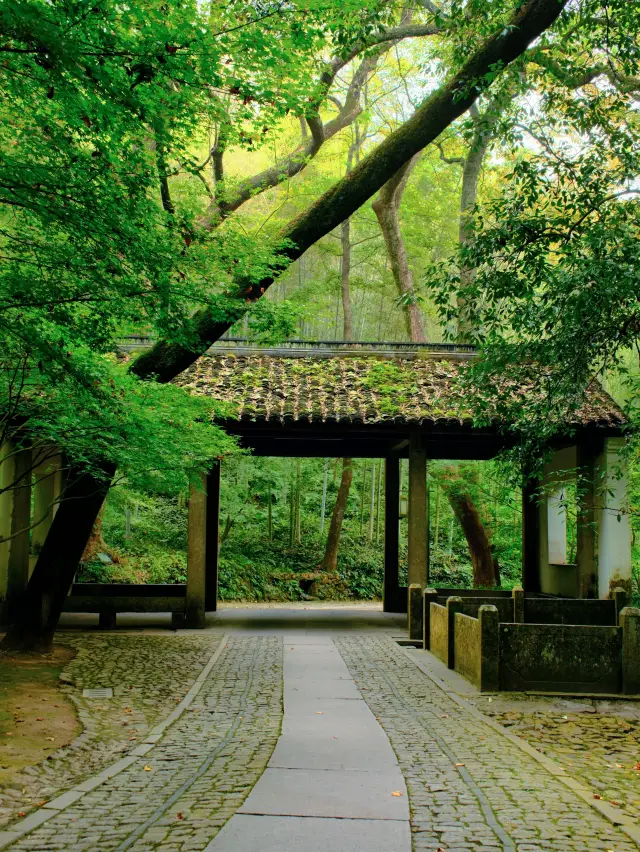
[485, 567]
[330, 559]
[38, 612]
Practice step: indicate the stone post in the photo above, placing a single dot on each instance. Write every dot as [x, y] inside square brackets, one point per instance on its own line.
[518, 605]
[18, 563]
[619, 601]
[196, 558]
[489, 648]
[429, 596]
[390, 595]
[44, 495]
[612, 519]
[417, 538]
[414, 610]
[630, 624]
[454, 604]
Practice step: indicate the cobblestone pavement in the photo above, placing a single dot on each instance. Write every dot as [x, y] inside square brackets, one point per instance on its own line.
[469, 787]
[148, 674]
[600, 748]
[179, 795]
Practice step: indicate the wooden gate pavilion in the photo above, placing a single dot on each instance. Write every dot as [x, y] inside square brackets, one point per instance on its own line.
[394, 401]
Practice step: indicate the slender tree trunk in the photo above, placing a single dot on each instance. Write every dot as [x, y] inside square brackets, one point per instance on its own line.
[387, 209]
[270, 513]
[472, 169]
[298, 530]
[372, 507]
[345, 234]
[330, 560]
[324, 495]
[436, 532]
[38, 612]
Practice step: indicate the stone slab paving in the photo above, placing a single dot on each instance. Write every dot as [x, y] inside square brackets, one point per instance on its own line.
[318, 769]
[306, 834]
[181, 792]
[148, 674]
[469, 786]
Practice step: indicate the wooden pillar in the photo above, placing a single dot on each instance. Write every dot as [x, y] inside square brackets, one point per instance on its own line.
[196, 557]
[390, 595]
[212, 538]
[530, 537]
[18, 562]
[586, 532]
[418, 538]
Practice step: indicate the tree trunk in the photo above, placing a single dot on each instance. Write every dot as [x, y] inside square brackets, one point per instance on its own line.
[330, 559]
[484, 567]
[345, 272]
[472, 170]
[387, 208]
[96, 543]
[39, 610]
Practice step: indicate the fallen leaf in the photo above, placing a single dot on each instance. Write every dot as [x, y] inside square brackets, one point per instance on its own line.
[180, 815]
[597, 796]
[51, 739]
[458, 764]
[22, 813]
[39, 719]
[444, 716]
[396, 793]
[319, 712]
[147, 769]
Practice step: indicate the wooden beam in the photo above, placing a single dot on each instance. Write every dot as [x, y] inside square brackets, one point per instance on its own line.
[390, 593]
[212, 538]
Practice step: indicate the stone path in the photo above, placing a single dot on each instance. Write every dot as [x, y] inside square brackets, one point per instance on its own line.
[333, 782]
[228, 772]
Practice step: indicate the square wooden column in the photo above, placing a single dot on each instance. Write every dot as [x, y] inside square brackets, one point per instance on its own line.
[391, 592]
[212, 538]
[418, 534]
[196, 557]
[531, 536]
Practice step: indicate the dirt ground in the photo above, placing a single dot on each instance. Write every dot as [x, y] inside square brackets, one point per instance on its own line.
[36, 718]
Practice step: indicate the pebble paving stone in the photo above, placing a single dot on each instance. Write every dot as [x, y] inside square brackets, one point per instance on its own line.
[148, 674]
[469, 788]
[179, 795]
[599, 745]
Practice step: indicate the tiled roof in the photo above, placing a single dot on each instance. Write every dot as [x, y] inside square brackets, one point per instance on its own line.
[351, 388]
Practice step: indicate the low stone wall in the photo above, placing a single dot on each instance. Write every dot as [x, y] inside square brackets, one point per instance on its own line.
[439, 632]
[569, 611]
[470, 606]
[467, 654]
[560, 658]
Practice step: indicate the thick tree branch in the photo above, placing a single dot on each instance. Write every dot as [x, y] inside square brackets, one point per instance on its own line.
[166, 360]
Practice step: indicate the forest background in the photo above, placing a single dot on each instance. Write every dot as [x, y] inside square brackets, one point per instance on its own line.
[194, 143]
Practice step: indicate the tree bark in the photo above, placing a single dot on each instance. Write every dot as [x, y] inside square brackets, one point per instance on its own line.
[39, 610]
[166, 360]
[330, 559]
[387, 210]
[484, 573]
[472, 170]
[347, 312]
